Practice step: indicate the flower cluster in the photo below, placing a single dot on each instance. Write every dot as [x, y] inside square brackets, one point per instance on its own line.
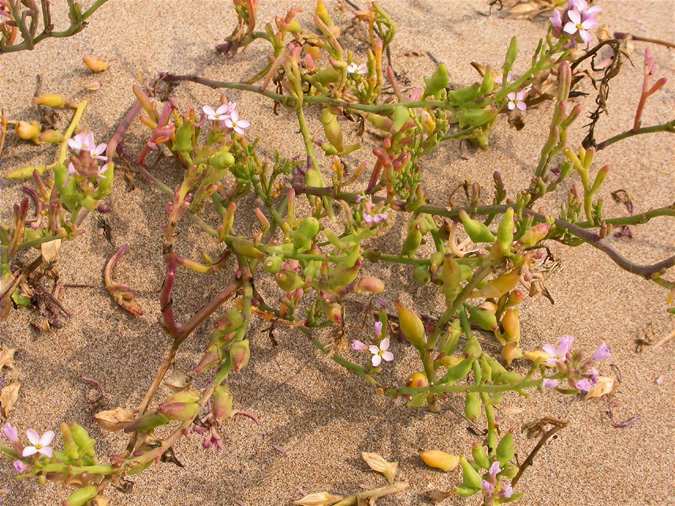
[378, 351]
[40, 445]
[228, 116]
[86, 156]
[575, 21]
[491, 483]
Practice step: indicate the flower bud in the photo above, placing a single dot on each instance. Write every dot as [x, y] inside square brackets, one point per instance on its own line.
[480, 456]
[505, 233]
[535, 234]
[210, 359]
[417, 380]
[411, 326]
[510, 352]
[476, 230]
[440, 460]
[51, 137]
[438, 81]
[499, 286]
[51, 100]
[458, 371]
[82, 496]
[84, 442]
[451, 275]
[182, 411]
[472, 405]
[28, 131]
[183, 140]
[484, 319]
[221, 160]
[96, 65]
[505, 449]
[448, 343]
[511, 324]
[240, 352]
[511, 55]
[222, 403]
[370, 284]
[470, 477]
[331, 128]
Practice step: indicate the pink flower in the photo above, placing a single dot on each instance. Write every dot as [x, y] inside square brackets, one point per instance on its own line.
[488, 487]
[550, 383]
[559, 353]
[507, 491]
[40, 444]
[602, 353]
[10, 433]
[213, 440]
[381, 352]
[359, 345]
[378, 328]
[353, 68]
[556, 22]
[84, 141]
[517, 100]
[576, 25]
[495, 469]
[222, 113]
[584, 385]
[236, 124]
[19, 466]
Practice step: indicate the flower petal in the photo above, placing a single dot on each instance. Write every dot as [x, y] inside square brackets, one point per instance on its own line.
[388, 356]
[208, 110]
[521, 105]
[47, 438]
[28, 451]
[374, 349]
[570, 28]
[377, 360]
[585, 36]
[47, 451]
[33, 436]
[384, 344]
[574, 16]
[243, 123]
[378, 324]
[511, 106]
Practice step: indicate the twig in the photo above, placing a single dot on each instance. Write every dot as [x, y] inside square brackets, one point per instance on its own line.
[557, 425]
[664, 127]
[625, 35]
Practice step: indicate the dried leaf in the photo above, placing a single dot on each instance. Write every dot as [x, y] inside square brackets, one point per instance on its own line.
[8, 397]
[438, 496]
[114, 419]
[378, 464]
[50, 250]
[7, 358]
[604, 386]
[177, 380]
[318, 499]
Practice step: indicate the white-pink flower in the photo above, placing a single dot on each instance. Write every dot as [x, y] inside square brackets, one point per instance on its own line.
[10, 433]
[222, 113]
[381, 352]
[84, 141]
[40, 444]
[578, 25]
[559, 353]
[19, 466]
[236, 124]
[517, 100]
[359, 345]
[354, 68]
[378, 328]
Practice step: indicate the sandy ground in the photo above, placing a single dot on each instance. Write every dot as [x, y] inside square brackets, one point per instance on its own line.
[315, 419]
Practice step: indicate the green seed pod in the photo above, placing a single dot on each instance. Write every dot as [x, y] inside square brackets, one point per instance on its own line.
[463, 95]
[509, 471]
[472, 405]
[302, 236]
[476, 230]
[475, 117]
[458, 372]
[511, 55]
[472, 347]
[500, 285]
[451, 275]
[82, 496]
[535, 234]
[480, 456]
[183, 140]
[411, 326]
[505, 233]
[70, 448]
[289, 280]
[85, 444]
[399, 117]
[465, 492]
[313, 178]
[51, 100]
[380, 122]
[273, 264]
[412, 240]
[147, 423]
[326, 76]
[421, 274]
[505, 449]
[222, 406]
[488, 83]
[485, 369]
[448, 344]
[341, 276]
[221, 160]
[240, 353]
[511, 324]
[181, 411]
[245, 248]
[331, 129]
[438, 81]
[188, 395]
[483, 318]
[470, 477]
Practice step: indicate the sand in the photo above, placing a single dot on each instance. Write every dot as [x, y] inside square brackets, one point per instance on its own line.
[314, 418]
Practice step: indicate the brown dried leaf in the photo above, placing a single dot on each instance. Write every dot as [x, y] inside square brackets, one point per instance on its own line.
[604, 386]
[8, 397]
[114, 419]
[318, 499]
[7, 358]
[50, 250]
[378, 464]
[177, 380]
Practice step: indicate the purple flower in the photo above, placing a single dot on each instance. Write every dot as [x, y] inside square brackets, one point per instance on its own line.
[222, 113]
[495, 469]
[236, 124]
[84, 141]
[551, 383]
[19, 466]
[556, 22]
[559, 353]
[584, 385]
[378, 328]
[213, 440]
[40, 444]
[507, 490]
[488, 487]
[381, 352]
[10, 433]
[602, 353]
[577, 25]
[359, 345]
[517, 100]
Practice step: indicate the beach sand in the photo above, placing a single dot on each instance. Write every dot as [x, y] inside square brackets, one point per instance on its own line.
[314, 419]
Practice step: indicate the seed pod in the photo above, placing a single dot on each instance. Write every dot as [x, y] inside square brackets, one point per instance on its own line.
[245, 248]
[511, 324]
[334, 313]
[303, 235]
[341, 277]
[221, 159]
[147, 423]
[505, 449]
[222, 405]
[511, 55]
[488, 83]
[472, 405]
[272, 264]
[509, 471]
[369, 284]
[438, 81]
[483, 318]
[465, 492]
[470, 477]
[417, 380]
[210, 359]
[505, 233]
[85, 444]
[412, 240]
[440, 460]
[458, 372]
[486, 370]
[82, 496]
[510, 352]
[332, 129]
[96, 65]
[472, 347]
[399, 117]
[69, 447]
[476, 230]
[240, 352]
[421, 274]
[480, 456]
[28, 131]
[451, 275]
[475, 117]
[534, 235]
[326, 75]
[51, 137]
[380, 122]
[182, 411]
[51, 100]
[183, 138]
[463, 95]
[289, 280]
[500, 285]
[189, 395]
[411, 326]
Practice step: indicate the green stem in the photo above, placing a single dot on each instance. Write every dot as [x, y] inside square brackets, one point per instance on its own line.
[663, 127]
